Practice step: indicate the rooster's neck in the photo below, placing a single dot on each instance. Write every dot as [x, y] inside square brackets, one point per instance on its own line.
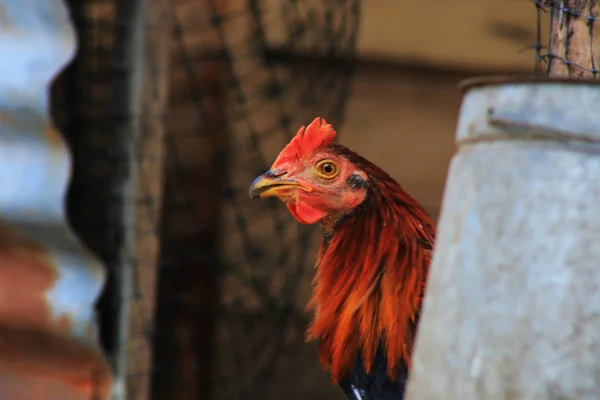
[371, 272]
[331, 223]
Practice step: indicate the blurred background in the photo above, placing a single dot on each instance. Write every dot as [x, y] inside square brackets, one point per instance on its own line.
[172, 107]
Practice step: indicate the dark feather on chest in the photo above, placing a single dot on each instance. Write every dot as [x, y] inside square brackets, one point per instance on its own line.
[375, 385]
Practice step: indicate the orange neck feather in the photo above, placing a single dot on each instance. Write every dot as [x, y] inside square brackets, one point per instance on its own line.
[370, 278]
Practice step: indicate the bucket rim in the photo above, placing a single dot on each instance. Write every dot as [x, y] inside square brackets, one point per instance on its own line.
[495, 80]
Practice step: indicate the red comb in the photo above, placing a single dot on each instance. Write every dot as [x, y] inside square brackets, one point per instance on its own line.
[308, 139]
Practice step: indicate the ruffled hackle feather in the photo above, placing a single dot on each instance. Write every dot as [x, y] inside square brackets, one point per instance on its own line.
[371, 272]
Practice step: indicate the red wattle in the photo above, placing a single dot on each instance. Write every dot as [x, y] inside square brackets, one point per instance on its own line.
[305, 214]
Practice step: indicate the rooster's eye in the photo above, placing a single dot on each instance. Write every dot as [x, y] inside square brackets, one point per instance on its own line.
[327, 169]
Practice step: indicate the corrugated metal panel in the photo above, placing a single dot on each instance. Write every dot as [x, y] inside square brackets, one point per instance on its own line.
[48, 281]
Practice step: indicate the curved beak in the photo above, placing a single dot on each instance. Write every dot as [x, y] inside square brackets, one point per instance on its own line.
[273, 183]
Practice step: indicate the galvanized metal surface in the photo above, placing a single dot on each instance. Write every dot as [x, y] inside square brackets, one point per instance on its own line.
[512, 309]
[49, 282]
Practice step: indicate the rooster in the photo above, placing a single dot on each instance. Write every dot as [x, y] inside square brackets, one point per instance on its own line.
[372, 266]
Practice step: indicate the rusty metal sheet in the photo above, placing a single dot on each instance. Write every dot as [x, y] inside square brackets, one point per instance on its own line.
[49, 282]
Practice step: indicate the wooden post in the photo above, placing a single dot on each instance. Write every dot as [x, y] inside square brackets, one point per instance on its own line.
[189, 288]
[153, 28]
[512, 309]
[196, 170]
[574, 37]
[49, 282]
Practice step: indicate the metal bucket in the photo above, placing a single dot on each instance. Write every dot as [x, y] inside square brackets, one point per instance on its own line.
[512, 309]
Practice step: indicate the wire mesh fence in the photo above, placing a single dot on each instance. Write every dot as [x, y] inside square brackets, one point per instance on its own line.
[206, 289]
[571, 46]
